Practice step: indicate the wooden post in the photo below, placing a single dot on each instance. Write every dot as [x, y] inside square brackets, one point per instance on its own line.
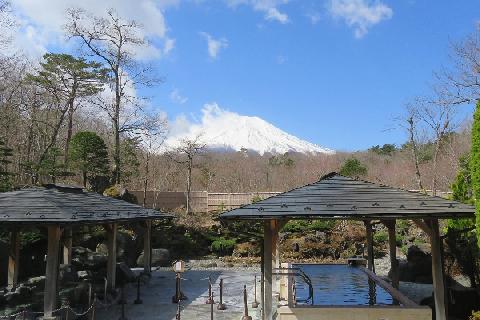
[276, 252]
[267, 266]
[392, 242]
[437, 271]
[13, 259]
[50, 294]
[67, 246]
[147, 247]
[112, 255]
[370, 257]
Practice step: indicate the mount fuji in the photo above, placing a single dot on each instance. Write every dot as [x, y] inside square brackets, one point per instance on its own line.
[224, 130]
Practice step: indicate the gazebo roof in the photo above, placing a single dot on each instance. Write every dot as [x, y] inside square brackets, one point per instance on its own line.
[68, 205]
[338, 197]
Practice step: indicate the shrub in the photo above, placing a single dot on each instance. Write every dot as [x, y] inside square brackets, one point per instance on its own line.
[475, 316]
[380, 236]
[222, 246]
[304, 225]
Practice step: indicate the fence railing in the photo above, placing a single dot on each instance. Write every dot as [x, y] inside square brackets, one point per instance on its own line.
[200, 201]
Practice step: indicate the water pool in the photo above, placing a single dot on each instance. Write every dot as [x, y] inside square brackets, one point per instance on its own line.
[341, 285]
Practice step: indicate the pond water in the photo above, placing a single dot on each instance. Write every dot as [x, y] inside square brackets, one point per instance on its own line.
[342, 285]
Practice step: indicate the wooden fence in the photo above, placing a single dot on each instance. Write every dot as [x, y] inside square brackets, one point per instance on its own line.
[201, 201]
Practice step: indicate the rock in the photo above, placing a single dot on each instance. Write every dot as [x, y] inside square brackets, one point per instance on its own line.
[67, 273]
[102, 248]
[37, 281]
[84, 275]
[124, 274]
[296, 247]
[160, 258]
[320, 235]
[418, 267]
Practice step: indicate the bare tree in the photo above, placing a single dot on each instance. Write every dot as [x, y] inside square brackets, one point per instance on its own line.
[115, 41]
[185, 154]
[152, 136]
[461, 83]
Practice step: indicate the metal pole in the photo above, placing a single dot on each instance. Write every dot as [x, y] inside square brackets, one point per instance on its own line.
[245, 305]
[122, 317]
[221, 305]
[210, 297]
[211, 308]
[105, 290]
[138, 300]
[94, 306]
[255, 302]
[177, 316]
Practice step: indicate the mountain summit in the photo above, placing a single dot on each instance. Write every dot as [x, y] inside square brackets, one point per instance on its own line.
[225, 130]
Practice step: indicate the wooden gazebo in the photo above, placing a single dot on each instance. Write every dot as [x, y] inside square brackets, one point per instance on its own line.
[59, 209]
[342, 198]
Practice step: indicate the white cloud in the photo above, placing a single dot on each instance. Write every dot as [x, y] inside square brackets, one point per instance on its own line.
[176, 97]
[314, 17]
[268, 7]
[169, 45]
[47, 18]
[214, 45]
[360, 14]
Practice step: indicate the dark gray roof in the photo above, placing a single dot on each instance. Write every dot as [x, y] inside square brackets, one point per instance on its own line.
[338, 197]
[68, 205]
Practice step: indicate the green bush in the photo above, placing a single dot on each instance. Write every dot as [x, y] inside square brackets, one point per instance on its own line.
[305, 225]
[475, 316]
[380, 236]
[222, 246]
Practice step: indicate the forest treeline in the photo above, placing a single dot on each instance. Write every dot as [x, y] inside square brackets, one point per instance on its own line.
[77, 117]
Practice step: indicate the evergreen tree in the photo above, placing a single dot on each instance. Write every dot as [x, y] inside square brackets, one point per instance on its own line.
[475, 164]
[5, 175]
[89, 155]
[353, 168]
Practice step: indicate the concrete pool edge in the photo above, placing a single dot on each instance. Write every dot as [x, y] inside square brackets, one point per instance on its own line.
[406, 311]
[356, 312]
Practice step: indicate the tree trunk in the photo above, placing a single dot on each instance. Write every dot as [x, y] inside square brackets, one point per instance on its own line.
[189, 183]
[145, 180]
[116, 121]
[411, 131]
[69, 129]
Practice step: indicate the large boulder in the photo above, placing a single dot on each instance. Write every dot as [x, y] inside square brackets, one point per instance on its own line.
[418, 267]
[160, 258]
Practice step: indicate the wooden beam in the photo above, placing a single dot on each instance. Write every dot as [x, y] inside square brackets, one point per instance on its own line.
[67, 246]
[13, 259]
[370, 254]
[267, 268]
[147, 247]
[397, 295]
[50, 294]
[276, 252]
[423, 225]
[437, 271]
[112, 255]
[392, 243]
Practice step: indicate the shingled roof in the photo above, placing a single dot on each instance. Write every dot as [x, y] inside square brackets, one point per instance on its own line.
[68, 205]
[338, 197]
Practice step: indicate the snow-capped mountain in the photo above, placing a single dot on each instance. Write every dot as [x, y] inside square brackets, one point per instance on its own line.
[225, 130]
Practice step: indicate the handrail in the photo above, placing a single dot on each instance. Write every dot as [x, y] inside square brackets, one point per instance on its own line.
[298, 273]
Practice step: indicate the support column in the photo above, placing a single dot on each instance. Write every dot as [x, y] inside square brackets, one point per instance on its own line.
[112, 255]
[50, 294]
[147, 247]
[13, 259]
[437, 271]
[276, 253]
[67, 246]
[370, 257]
[267, 266]
[392, 242]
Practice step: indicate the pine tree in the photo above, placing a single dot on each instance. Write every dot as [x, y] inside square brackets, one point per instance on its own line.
[5, 176]
[89, 155]
[475, 164]
[353, 168]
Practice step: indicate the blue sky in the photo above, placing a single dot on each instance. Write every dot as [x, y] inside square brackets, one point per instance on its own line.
[334, 72]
